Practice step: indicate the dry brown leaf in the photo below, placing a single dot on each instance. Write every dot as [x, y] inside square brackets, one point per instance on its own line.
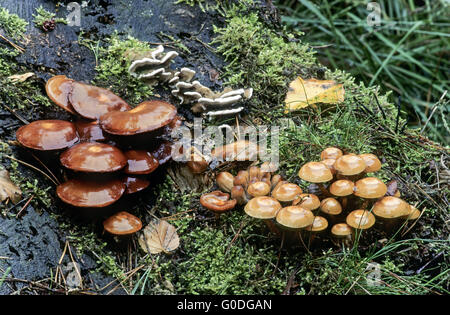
[159, 236]
[21, 77]
[7, 188]
[303, 93]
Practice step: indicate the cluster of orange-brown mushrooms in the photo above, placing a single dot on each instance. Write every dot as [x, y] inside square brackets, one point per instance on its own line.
[347, 199]
[108, 151]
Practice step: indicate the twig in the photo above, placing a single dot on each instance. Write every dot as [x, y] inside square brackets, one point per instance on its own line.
[33, 167]
[12, 44]
[24, 206]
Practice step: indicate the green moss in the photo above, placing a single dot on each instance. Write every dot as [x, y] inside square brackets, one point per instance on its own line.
[12, 24]
[113, 61]
[258, 57]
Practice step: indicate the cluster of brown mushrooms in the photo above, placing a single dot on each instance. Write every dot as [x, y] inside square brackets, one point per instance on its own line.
[346, 200]
[108, 151]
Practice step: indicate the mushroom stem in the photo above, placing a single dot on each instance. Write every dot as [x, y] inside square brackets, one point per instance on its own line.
[272, 227]
[324, 191]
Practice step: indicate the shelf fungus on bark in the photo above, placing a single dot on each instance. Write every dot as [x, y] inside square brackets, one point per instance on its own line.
[154, 69]
[210, 103]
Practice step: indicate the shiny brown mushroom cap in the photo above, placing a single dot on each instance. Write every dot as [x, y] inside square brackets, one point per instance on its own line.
[360, 219]
[258, 189]
[197, 164]
[370, 188]
[90, 194]
[225, 181]
[330, 206]
[122, 223]
[331, 153]
[58, 89]
[135, 184]
[163, 153]
[93, 157]
[89, 131]
[91, 102]
[217, 201]
[307, 201]
[342, 187]
[140, 162]
[341, 230]
[373, 164]
[262, 207]
[295, 217]
[319, 224]
[286, 192]
[390, 207]
[269, 167]
[46, 135]
[315, 172]
[349, 164]
[146, 117]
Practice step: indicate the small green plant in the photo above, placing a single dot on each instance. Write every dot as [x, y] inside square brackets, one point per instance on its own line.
[12, 25]
[42, 17]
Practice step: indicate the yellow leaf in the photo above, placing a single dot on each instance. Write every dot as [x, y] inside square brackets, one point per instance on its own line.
[159, 236]
[7, 188]
[303, 93]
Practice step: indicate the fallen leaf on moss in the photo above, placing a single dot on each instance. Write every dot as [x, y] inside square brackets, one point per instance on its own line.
[303, 93]
[159, 236]
[7, 188]
[21, 77]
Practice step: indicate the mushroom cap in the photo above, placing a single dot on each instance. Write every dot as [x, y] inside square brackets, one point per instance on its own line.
[319, 224]
[413, 214]
[331, 153]
[241, 150]
[258, 189]
[163, 153]
[93, 157]
[307, 201]
[349, 164]
[373, 164]
[135, 184]
[241, 178]
[390, 207]
[268, 167]
[46, 135]
[225, 181]
[262, 207]
[92, 102]
[370, 188]
[360, 219]
[89, 131]
[122, 223]
[58, 89]
[217, 201]
[90, 194]
[341, 229]
[315, 172]
[342, 187]
[254, 174]
[330, 206]
[146, 117]
[286, 192]
[295, 217]
[197, 164]
[238, 193]
[330, 164]
[140, 162]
